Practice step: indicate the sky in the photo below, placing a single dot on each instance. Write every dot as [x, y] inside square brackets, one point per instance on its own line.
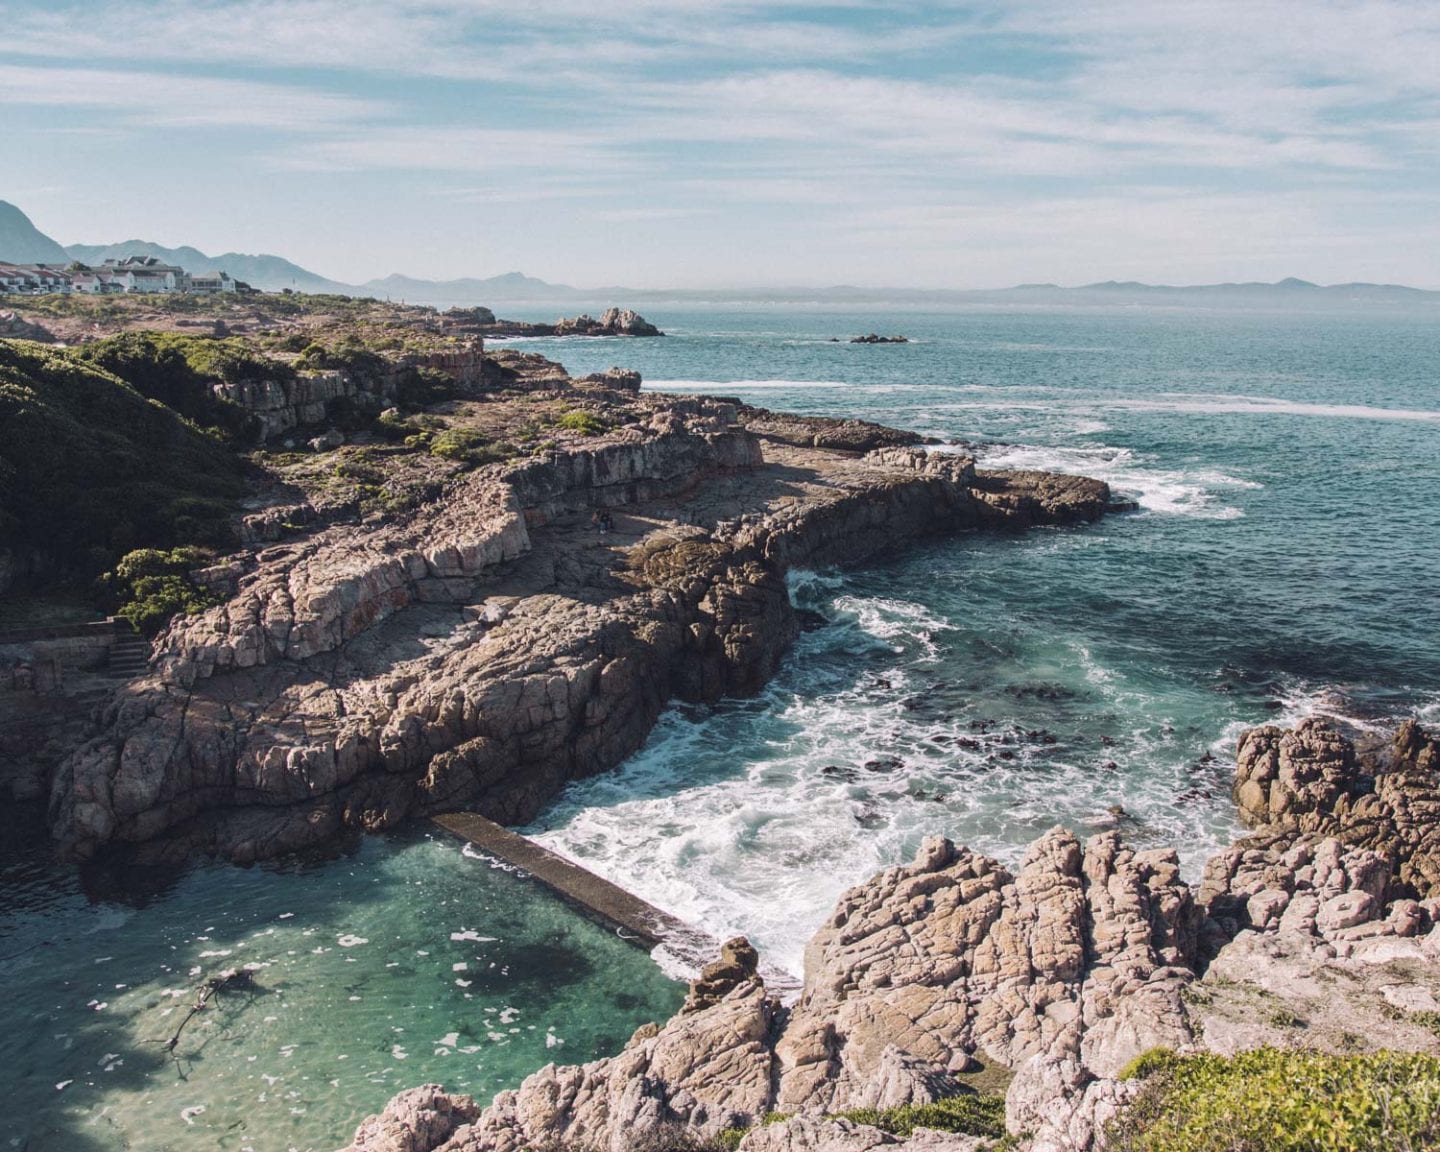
[681, 143]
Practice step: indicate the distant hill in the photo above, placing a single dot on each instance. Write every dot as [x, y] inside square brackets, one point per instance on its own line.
[511, 286]
[1287, 293]
[22, 243]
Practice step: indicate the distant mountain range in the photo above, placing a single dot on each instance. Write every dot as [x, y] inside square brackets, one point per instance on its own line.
[22, 243]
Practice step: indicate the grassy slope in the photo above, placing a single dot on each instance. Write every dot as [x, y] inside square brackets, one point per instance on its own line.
[90, 468]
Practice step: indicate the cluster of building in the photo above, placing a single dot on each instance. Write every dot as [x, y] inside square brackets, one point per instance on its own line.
[132, 274]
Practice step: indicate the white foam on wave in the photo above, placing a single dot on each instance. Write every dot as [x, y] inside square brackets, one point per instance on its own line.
[1221, 404]
[756, 820]
[760, 386]
[1350, 707]
[896, 621]
[1172, 492]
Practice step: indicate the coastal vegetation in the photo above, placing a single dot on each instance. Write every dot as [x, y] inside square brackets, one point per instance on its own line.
[1281, 1100]
[94, 468]
[180, 371]
[151, 586]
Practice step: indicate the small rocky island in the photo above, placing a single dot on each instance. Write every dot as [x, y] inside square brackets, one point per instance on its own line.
[873, 338]
[612, 322]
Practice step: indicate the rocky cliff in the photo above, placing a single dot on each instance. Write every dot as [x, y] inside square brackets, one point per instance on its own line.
[1065, 971]
[495, 641]
[309, 398]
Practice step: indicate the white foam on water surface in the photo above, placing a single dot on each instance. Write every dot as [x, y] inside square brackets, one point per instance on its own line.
[720, 387]
[466, 934]
[1223, 404]
[1174, 492]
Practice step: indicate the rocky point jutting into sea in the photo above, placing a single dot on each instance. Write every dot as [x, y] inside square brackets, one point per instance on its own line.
[494, 643]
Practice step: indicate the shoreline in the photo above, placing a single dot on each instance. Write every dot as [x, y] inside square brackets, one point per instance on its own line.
[1321, 928]
[488, 648]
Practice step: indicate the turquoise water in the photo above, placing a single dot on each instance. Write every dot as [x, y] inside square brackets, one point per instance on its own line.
[396, 962]
[1283, 563]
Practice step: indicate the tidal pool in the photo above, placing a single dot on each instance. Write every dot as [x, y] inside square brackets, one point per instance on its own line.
[397, 961]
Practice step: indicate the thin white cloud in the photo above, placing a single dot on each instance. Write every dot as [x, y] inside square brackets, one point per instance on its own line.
[166, 100]
[1250, 126]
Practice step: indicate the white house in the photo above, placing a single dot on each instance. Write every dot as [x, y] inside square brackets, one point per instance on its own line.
[33, 278]
[95, 282]
[146, 274]
[209, 285]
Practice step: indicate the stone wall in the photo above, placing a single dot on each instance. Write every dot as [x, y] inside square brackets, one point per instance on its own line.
[38, 659]
[48, 691]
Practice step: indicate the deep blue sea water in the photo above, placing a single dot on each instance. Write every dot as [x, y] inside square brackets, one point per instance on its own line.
[1283, 563]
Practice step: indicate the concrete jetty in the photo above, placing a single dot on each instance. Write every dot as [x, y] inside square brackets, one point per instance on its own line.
[634, 919]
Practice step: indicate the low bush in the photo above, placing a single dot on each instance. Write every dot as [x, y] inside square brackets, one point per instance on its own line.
[466, 446]
[1281, 1100]
[153, 586]
[971, 1114]
[585, 423]
[422, 387]
[180, 371]
[93, 469]
[350, 355]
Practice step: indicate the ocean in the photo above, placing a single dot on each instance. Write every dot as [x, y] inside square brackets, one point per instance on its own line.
[1281, 563]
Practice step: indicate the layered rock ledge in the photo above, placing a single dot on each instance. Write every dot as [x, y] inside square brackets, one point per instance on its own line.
[491, 643]
[1063, 972]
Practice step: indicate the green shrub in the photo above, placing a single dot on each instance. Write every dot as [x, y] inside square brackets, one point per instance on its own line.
[1281, 1100]
[422, 387]
[577, 420]
[349, 355]
[180, 371]
[154, 585]
[466, 446]
[971, 1114]
[93, 469]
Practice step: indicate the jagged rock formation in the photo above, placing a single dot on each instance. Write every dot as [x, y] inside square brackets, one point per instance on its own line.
[491, 645]
[1088, 956]
[1310, 780]
[612, 322]
[620, 379]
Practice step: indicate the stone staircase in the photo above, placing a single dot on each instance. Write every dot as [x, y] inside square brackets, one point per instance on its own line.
[129, 656]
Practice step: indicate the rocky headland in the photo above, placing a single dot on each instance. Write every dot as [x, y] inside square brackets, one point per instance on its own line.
[464, 635]
[953, 973]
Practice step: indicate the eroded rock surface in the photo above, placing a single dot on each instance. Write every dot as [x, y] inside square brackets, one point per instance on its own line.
[491, 643]
[1088, 956]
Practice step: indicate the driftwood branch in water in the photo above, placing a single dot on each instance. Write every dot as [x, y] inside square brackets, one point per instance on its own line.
[234, 980]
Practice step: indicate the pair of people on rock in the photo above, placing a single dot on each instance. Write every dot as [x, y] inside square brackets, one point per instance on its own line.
[603, 521]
